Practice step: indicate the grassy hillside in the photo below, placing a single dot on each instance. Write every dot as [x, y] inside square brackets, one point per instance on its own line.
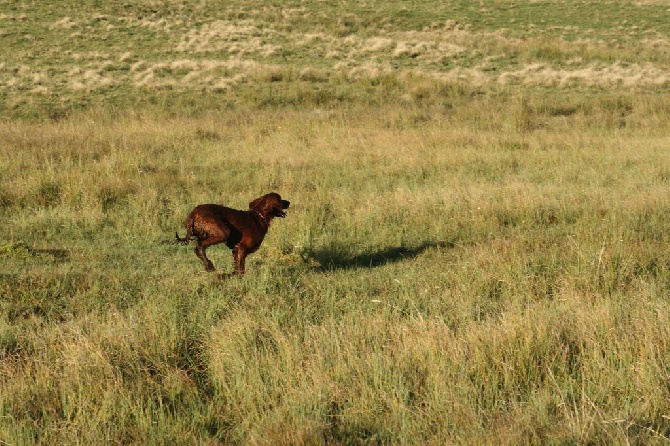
[477, 251]
[182, 57]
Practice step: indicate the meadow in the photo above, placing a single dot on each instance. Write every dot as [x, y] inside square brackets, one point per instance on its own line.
[477, 250]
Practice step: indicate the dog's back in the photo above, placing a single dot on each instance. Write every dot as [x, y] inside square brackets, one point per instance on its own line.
[224, 223]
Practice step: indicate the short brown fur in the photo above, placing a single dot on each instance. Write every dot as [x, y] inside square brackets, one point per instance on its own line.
[241, 231]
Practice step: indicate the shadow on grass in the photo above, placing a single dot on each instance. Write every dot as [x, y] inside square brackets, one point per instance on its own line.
[335, 258]
[19, 249]
[58, 254]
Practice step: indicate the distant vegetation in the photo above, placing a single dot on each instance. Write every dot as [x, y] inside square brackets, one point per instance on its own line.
[477, 250]
[184, 57]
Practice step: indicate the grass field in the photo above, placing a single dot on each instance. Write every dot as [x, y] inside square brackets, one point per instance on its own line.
[477, 250]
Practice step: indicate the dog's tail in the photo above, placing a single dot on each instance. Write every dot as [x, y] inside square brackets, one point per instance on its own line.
[189, 232]
[183, 241]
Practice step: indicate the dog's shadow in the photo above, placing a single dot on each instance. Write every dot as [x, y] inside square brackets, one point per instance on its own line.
[334, 258]
[57, 254]
[22, 249]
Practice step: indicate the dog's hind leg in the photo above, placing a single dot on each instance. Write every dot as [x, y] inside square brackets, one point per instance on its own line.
[200, 252]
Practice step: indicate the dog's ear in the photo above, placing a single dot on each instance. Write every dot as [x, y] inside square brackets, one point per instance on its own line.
[255, 203]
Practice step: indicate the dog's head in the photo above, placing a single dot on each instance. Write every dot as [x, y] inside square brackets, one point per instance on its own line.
[270, 205]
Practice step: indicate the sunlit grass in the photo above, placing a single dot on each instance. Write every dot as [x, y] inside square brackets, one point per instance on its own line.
[476, 250]
[493, 274]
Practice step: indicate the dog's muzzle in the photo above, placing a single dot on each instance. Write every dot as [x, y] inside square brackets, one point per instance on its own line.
[284, 204]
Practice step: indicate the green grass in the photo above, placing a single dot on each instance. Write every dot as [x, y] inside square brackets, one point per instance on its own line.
[476, 250]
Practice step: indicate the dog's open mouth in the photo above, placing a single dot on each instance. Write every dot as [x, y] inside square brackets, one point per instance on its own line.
[284, 204]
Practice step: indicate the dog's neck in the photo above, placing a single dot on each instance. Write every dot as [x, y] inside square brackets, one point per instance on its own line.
[261, 216]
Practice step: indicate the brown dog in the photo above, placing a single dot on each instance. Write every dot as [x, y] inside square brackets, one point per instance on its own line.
[241, 231]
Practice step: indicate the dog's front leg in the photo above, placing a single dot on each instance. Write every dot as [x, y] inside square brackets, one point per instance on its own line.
[240, 256]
